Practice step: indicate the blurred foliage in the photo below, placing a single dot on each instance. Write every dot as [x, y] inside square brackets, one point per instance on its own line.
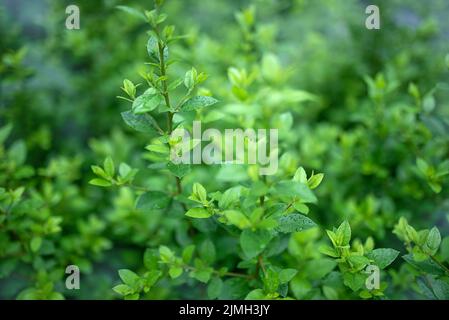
[368, 108]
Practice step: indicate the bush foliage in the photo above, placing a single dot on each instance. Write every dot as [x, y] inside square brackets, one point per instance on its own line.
[86, 118]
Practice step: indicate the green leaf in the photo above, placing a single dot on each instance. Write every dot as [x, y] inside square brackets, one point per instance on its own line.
[237, 218]
[294, 222]
[318, 268]
[428, 266]
[199, 213]
[18, 152]
[175, 272]
[214, 288]
[202, 275]
[153, 49]
[422, 165]
[300, 175]
[254, 242]
[140, 122]
[100, 182]
[198, 102]
[199, 192]
[134, 12]
[35, 244]
[445, 249]
[256, 294]
[178, 170]
[433, 240]
[383, 257]
[123, 289]
[315, 180]
[187, 253]
[291, 189]
[158, 148]
[129, 277]
[109, 167]
[150, 259]
[286, 275]
[358, 262]
[147, 102]
[229, 197]
[151, 277]
[355, 281]
[5, 132]
[329, 251]
[271, 281]
[440, 288]
[189, 78]
[129, 88]
[207, 251]
[99, 172]
[166, 254]
[152, 200]
[343, 234]
[330, 293]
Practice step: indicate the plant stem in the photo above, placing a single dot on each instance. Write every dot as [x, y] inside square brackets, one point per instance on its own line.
[166, 96]
[261, 264]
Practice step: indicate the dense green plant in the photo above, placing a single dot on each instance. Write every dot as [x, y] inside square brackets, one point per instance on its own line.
[367, 109]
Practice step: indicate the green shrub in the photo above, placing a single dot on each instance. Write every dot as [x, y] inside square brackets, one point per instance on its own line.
[362, 122]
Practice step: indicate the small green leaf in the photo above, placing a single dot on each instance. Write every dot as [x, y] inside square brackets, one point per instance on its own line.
[433, 240]
[207, 251]
[152, 200]
[254, 242]
[300, 175]
[123, 289]
[140, 122]
[100, 182]
[383, 257]
[134, 12]
[128, 277]
[129, 88]
[237, 218]
[187, 253]
[147, 102]
[153, 49]
[99, 172]
[256, 294]
[287, 274]
[214, 288]
[178, 170]
[166, 254]
[343, 234]
[294, 222]
[200, 213]
[355, 281]
[175, 272]
[202, 275]
[35, 244]
[150, 259]
[315, 180]
[291, 189]
[199, 192]
[5, 132]
[109, 167]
